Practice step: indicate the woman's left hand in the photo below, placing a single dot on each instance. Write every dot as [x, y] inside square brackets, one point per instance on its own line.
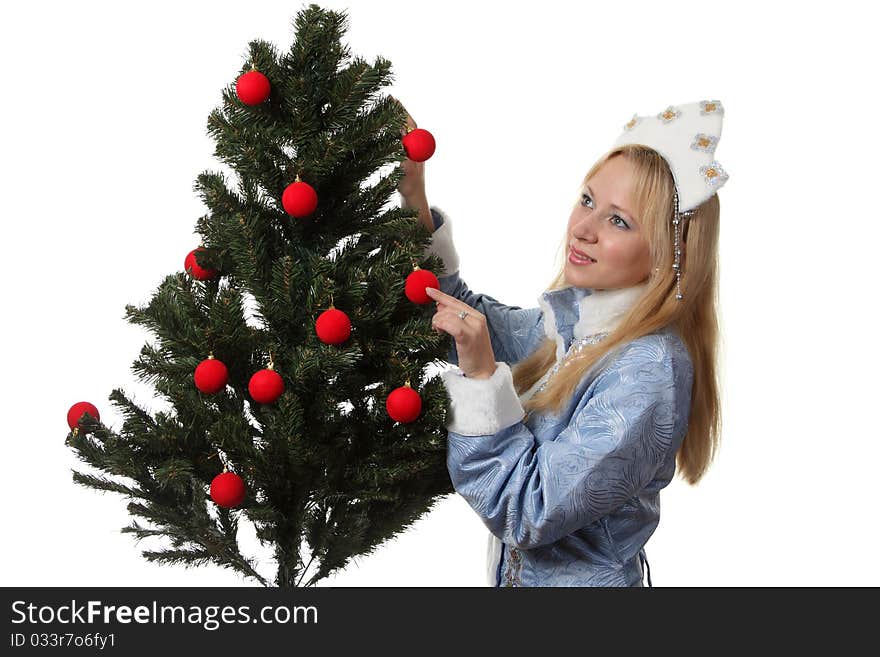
[475, 355]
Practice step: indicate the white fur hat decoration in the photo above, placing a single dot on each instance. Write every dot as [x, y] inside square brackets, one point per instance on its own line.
[686, 136]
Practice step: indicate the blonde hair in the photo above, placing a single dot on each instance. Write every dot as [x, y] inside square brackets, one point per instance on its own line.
[694, 317]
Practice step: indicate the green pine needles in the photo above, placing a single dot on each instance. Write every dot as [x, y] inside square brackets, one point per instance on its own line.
[328, 474]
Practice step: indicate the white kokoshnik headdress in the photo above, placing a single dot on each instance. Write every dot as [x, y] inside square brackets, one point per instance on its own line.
[686, 136]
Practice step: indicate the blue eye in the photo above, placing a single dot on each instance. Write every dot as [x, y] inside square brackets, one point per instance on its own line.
[617, 216]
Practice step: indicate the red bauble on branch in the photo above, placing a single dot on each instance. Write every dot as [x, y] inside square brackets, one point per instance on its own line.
[333, 326]
[419, 145]
[299, 199]
[404, 404]
[74, 415]
[227, 489]
[211, 376]
[416, 284]
[192, 267]
[252, 87]
[266, 386]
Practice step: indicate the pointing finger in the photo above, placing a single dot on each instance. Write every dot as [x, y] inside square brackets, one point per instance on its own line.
[434, 293]
[449, 300]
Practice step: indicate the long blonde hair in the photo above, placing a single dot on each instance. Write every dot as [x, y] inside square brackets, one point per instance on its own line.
[694, 317]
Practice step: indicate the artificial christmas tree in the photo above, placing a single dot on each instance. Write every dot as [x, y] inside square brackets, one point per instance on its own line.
[281, 417]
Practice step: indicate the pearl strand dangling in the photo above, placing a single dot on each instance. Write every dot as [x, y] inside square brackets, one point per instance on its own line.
[677, 264]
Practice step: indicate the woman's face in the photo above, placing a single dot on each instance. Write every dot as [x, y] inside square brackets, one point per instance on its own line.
[611, 236]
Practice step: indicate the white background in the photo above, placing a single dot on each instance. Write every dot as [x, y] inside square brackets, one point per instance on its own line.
[104, 113]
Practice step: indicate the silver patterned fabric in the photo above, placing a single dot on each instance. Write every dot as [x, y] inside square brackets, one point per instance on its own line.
[573, 497]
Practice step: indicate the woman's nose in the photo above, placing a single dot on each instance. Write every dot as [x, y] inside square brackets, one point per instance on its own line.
[585, 228]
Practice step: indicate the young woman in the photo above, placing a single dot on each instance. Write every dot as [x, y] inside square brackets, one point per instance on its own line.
[613, 384]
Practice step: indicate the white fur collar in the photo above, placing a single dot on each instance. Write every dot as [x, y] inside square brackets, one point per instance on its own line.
[599, 311]
[602, 311]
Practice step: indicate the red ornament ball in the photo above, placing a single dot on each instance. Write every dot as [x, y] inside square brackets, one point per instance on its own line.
[211, 376]
[416, 284]
[252, 88]
[333, 326]
[74, 415]
[419, 145]
[266, 386]
[227, 489]
[191, 266]
[299, 199]
[403, 404]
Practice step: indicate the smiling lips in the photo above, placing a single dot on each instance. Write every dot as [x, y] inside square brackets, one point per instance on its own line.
[580, 255]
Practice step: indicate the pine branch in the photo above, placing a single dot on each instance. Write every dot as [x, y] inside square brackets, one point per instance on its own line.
[202, 557]
[102, 483]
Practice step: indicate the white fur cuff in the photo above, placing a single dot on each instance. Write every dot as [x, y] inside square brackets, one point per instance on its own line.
[441, 244]
[482, 407]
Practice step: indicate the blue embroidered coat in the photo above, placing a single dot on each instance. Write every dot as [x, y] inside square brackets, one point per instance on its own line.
[571, 498]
